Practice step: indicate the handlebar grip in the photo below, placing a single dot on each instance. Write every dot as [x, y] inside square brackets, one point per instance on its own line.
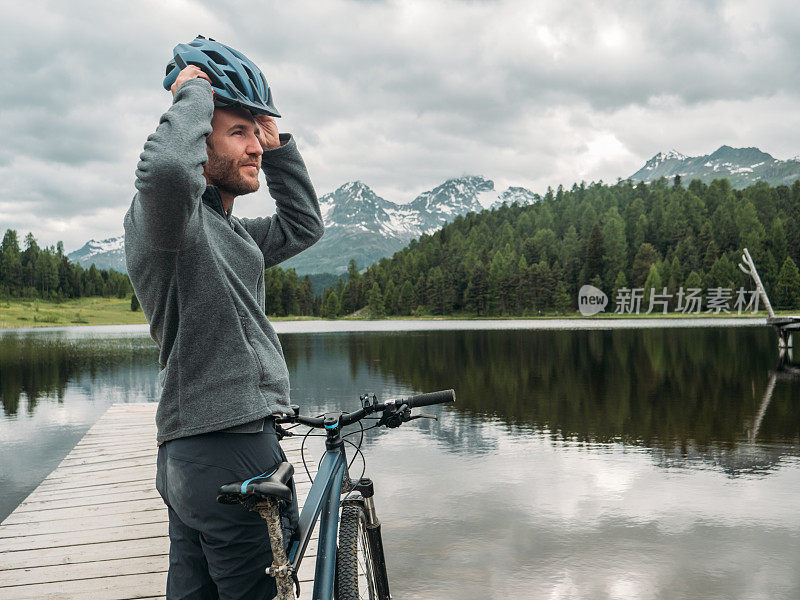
[431, 398]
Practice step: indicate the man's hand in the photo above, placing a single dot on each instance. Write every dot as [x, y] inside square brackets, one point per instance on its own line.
[268, 135]
[190, 72]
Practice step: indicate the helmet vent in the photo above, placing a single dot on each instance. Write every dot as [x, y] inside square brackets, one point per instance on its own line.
[216, 69]
[216, 57]
[234, 77]
[215, 81]
[249, 74]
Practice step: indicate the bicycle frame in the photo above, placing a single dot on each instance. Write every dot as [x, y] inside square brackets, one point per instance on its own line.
[323, 499]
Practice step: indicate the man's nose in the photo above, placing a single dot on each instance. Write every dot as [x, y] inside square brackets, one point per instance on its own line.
[254, 146]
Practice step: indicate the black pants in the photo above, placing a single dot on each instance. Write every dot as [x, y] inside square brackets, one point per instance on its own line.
[218, 551]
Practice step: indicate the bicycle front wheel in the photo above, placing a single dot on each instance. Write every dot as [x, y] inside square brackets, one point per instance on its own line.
[360, 570]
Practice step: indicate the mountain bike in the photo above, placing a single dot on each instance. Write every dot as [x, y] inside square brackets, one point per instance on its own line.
[356, 566]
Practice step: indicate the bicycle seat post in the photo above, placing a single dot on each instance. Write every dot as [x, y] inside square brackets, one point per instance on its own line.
[280, 568]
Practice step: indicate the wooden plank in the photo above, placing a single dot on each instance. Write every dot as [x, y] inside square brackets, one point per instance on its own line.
[85, 513]
[108, 522]
[66, 471]
[39, 495]
[80, 553]
[108, 587]
[95, 459]
[88, 536]
[121, 473]
[124, 565]
[145, 493]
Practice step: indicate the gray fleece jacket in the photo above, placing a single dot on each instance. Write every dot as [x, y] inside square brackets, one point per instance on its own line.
[199, 274]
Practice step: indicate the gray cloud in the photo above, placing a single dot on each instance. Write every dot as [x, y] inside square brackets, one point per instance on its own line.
[398, 94]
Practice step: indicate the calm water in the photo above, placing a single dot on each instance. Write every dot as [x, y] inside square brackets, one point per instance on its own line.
[576, 464]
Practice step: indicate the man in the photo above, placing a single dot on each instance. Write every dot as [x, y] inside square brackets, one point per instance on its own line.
[198, 272]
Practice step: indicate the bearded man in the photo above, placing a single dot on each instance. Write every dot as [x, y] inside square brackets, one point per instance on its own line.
[198, 272]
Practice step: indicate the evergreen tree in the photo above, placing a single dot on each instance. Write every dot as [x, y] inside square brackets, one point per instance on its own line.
[561, 298]
[768, 271]
[711, 256]
[46, 274]
[330, 305]
[652, 285]
[621, 281]
[351, 300]
[407, 300]
[595, 259]
[29, 258]
[645, 258]
[390, 298]
[787, 288]
[11, 271]
[777, 241]
[723, 274]
[375, 301]
[475, 297]
[694, 281]
[134, 303]
[615, 246]
[751, 232]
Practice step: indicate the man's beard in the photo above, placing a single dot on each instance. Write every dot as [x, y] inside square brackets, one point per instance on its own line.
[223, 172]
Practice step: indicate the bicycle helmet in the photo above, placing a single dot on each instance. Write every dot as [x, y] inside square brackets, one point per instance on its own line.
[235, 79]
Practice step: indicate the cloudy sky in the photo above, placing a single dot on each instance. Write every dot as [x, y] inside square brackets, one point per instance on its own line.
[398, 94]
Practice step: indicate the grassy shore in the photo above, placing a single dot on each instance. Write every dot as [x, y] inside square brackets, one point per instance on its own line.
[17, 313]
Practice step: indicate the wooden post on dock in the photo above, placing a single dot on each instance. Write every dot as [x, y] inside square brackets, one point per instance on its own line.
[783, 326]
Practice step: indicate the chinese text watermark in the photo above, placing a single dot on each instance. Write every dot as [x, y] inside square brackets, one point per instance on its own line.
[714, 300]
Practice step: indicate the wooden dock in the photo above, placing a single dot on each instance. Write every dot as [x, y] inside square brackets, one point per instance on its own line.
[105, 540]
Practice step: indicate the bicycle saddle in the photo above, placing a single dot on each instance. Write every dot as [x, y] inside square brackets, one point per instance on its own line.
[266, 485]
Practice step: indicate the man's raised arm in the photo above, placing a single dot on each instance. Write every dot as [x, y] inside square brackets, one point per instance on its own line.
[297, 223]
[169, 176]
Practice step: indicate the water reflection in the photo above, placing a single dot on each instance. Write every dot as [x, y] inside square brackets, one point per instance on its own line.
[658, 388]
[37, 366]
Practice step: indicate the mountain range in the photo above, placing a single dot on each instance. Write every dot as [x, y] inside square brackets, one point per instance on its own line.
[361, 225]
[740, 166]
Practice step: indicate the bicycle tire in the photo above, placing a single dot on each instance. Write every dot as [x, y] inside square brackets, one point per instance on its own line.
[357, 569]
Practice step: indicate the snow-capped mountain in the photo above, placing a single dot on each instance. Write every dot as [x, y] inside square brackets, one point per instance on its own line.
[356, 206]
[741, 166]
[454, 197]
[361, 225]
[516, 194]
[105, 254]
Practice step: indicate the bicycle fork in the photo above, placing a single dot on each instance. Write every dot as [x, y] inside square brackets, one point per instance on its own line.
[374, 538]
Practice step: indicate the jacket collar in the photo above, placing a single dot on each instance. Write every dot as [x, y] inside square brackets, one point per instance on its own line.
[213, 200]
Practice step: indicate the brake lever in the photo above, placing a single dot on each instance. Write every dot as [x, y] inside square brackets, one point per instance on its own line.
[424, 416]
[281, 432]
[395, 416]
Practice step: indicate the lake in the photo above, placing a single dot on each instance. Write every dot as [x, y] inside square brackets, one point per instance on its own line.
[624, 462]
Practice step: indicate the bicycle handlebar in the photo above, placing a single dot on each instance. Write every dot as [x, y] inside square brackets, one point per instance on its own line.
[428, 399]
[345, 419]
